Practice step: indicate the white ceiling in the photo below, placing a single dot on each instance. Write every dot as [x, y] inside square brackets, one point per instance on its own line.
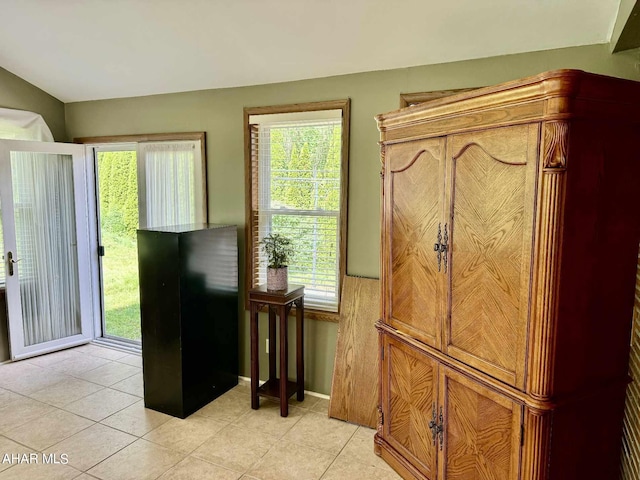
[93, 49]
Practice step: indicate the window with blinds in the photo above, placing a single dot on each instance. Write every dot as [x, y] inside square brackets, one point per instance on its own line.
[297, 189]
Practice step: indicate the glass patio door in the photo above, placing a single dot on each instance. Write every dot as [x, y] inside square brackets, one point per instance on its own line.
[138, 184]
[46, 255]
[116, 170]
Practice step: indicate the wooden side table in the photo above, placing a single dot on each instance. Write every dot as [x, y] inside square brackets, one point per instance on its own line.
[279, 302]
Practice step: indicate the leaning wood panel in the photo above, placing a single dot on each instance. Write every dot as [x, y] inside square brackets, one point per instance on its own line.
[354, 390]
[631, 432]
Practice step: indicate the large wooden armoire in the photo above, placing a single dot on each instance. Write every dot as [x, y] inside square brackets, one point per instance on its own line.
[510, 232]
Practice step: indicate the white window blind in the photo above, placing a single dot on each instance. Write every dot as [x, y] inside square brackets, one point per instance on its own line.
[297, 184]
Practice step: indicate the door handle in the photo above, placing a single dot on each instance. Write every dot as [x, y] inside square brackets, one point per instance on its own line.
[441, 428]
[441, 247]
[433, 425]
[437, 430]
[11, 262]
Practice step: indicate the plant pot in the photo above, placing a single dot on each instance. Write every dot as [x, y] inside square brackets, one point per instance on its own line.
[277, 278]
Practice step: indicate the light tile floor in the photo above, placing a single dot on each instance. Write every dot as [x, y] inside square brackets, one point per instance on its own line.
[82, 408]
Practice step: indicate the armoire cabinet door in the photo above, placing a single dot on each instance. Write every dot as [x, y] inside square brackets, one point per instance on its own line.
[481, 431]
[409, 383]
[414, 187]
[491, 203]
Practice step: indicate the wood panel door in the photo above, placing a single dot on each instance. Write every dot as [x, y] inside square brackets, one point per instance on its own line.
[414, 186]
[491, 205]
[482, 431]
[409, 399]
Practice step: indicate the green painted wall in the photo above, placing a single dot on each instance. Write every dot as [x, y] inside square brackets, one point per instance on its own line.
[21, 95]
[622, 18]
[220, 114]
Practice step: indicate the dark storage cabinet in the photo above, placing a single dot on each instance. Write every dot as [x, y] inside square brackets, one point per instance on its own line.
[189, 306]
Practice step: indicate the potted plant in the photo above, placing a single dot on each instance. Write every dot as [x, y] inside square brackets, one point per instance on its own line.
[279, 251]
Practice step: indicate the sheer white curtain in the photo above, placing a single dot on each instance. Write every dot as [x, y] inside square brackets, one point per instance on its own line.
[46, 245]
[172, 184]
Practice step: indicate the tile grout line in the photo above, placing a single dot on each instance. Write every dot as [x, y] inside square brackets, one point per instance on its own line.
[72, 375]
[48, 368]
[279, 440]
[341, 449]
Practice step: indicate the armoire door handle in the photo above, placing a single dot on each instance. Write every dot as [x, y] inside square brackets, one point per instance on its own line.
[441, 429]
[445, 246]
[441, 247]
[436, 248]
[437, 429]
[433, 425]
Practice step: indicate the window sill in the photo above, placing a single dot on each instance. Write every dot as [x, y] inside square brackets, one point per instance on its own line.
[321, 315]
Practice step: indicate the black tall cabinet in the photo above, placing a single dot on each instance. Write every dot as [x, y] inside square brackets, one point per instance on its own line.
[189, 306]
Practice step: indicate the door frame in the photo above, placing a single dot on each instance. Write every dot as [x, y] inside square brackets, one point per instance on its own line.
[95, 241]
[90, 144]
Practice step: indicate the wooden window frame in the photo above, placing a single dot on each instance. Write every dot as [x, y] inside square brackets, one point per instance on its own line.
[162, 137]
[251, 185]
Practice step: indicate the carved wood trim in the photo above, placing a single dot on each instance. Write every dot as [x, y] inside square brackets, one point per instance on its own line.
[411, 99]
[410, 163]
[555, 144]
[380, 420]
[536, 444]
[380, 425]
[385, 236]
[546, 285]
[553, 96]
[484, 150]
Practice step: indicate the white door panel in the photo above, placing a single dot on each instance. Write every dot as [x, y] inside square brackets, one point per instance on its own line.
[43, 194]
